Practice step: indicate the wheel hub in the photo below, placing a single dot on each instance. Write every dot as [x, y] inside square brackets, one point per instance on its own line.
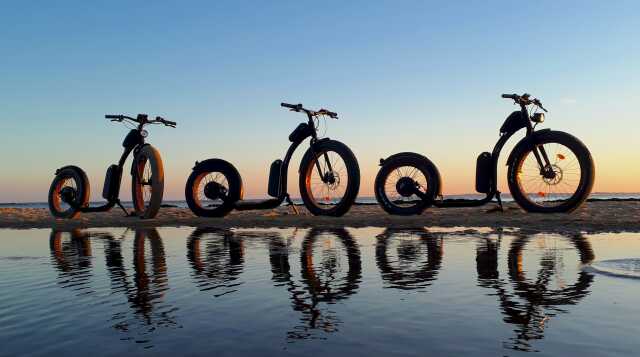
[214, 190]
[68, 194]
[552, 175]
[332, 179]
[406, 186]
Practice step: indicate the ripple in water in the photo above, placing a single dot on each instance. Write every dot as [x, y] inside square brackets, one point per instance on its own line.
[627, 268]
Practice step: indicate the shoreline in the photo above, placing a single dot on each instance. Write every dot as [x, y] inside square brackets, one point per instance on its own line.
[596, 216]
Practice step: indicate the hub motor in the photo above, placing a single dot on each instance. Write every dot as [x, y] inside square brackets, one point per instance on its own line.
[406, 186]
[214, 191]
[68, 194]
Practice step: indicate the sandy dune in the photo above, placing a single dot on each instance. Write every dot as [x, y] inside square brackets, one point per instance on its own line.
[599, 216]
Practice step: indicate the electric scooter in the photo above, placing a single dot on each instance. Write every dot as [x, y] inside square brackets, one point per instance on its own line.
[69, 191]
[329, 176]
[549, 171]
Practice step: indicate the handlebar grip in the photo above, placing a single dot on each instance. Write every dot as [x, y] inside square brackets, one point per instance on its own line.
[166, 122]
[510, 96]
[291, 106]
[331, 114]
[111, 116]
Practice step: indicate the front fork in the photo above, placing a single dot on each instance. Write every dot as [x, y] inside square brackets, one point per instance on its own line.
[543, 160]
[324, 177]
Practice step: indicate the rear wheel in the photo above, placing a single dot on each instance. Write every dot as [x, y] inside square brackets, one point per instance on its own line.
[213, 188]
[562, 185]
[147, 185]
[329, 179]
[399, 180]
[69, 188]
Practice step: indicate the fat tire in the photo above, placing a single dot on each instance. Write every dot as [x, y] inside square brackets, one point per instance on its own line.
[83, 191]
[235, 188]
[587, 173]
[157, 183]
[353, 170]
[413, 160]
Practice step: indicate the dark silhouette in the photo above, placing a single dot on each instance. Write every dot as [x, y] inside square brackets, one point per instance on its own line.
[217, 258]
[144, 290]
[549, 171]
[329, 176]
[69, 191]
[321, 282]
[528, 302]
[419, 257]
[71, 255]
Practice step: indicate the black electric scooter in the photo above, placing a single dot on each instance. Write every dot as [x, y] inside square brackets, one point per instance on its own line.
[69, 191]
[329, 176]
[549, 171]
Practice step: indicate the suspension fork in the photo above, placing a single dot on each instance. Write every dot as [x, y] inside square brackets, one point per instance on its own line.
[545, 157]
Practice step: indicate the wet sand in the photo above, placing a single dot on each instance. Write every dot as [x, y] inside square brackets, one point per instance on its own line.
[596, 216]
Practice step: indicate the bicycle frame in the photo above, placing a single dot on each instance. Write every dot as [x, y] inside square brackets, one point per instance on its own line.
[132, 143]
[305, 130]
[512, 125]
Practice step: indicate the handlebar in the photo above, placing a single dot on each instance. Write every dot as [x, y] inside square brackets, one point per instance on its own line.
[299, 108]
[141, 119]
[524, 100]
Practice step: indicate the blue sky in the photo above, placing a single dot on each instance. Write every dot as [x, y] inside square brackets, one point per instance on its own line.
[403, 75]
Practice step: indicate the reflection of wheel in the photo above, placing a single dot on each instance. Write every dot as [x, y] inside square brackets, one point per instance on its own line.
[536, 289]
[70, 250]
[147, 185]
[215, 255]
[332, 288]
[70, 185]
[419, 257]
[399, 178]
[560, 187]
[213, 188]
[329, 178]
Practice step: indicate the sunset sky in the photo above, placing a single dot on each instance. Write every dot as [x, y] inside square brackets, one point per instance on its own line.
[403, 76]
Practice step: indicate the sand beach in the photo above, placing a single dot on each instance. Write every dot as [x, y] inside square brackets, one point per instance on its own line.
[594, 216]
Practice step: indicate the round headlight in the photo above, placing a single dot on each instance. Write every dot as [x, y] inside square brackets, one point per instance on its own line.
[537, 118]
[144, 133]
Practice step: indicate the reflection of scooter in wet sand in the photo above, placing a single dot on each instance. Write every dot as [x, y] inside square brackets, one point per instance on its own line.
[143, 293]
[217, 258]
[549, 171]
[532, 301]
[320, 281]
[419, 257]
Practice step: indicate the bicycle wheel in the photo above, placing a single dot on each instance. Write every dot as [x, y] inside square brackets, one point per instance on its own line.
[329, 179]
[561, 186]
[147, 183]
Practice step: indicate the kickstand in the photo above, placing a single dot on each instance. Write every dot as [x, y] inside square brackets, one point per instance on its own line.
[499, 201]
[126, 213]
[290, 203]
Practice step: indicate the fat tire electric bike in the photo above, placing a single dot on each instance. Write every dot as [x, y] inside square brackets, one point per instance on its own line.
[329, 176]
[70, 190]
[548, 171]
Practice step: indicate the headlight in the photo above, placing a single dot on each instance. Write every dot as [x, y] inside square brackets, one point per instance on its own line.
[144, 133]
[537, 118]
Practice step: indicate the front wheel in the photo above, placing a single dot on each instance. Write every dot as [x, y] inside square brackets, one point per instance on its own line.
[563, 182]
[147, 183]
[329, 178]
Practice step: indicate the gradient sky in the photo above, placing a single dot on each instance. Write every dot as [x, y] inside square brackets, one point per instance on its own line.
[403, 75]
